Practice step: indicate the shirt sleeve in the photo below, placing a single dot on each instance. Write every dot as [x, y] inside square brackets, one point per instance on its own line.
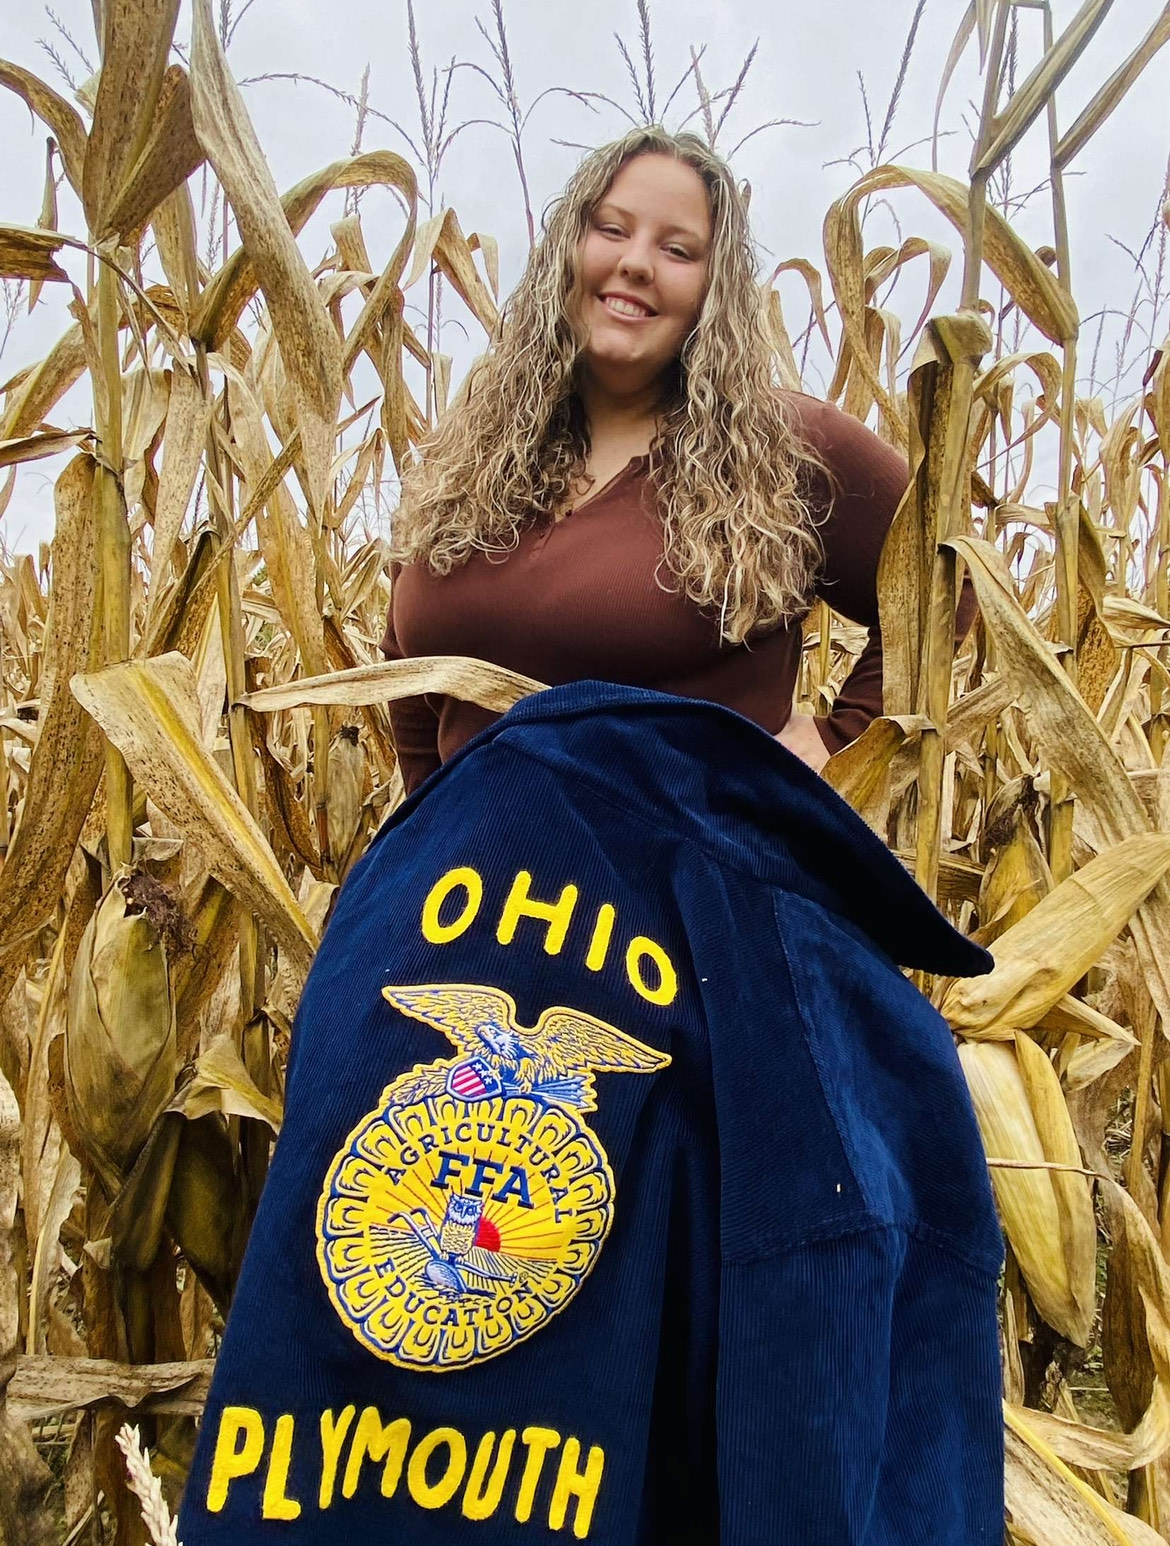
[866, 481]
[413, 721]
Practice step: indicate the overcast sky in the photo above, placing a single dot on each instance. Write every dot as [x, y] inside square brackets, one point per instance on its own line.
[807, 67]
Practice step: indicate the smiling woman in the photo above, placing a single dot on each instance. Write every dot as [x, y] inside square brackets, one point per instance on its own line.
[631, 384]
[571, 389]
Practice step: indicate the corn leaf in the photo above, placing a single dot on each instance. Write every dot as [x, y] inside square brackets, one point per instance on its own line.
[66, 761]
[1040, 958]
[136, 39]
[308, 340]
[149, 710]
[473, 681]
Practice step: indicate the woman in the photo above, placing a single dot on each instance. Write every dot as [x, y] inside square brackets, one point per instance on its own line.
[626, 1191]
[622, 492]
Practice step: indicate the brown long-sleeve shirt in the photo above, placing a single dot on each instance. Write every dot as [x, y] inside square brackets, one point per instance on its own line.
[580, 597]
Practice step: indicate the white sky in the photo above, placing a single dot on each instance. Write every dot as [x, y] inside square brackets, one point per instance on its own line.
[806, 68]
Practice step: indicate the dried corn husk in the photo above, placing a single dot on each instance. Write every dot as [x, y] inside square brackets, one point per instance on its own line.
[1047, 1507]
[150, 710]
[347, 790]
[120, 1063]
[1017, 877]
[1039, 958]
[1047, 1215]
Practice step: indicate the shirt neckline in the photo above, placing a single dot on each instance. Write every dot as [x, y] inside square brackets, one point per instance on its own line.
[634, 462]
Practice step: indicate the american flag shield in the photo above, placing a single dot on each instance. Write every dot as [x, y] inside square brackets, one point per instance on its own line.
[473, 1079]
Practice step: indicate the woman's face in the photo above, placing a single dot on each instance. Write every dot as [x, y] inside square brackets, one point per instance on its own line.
[644, 263]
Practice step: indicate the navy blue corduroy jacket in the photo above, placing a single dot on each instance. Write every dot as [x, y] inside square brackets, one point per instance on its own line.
[627, 1190]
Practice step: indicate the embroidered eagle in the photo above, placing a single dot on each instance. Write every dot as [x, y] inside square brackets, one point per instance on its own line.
[553, 1061]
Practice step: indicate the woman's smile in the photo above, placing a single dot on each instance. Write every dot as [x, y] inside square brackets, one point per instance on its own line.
[625, 310]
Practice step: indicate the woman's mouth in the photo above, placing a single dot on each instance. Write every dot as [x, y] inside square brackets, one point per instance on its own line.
[626, 311]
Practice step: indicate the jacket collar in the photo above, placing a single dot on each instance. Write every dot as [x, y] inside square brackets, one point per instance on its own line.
[726, 785]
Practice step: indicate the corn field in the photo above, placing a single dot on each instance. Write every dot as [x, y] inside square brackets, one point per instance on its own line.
[195, 745]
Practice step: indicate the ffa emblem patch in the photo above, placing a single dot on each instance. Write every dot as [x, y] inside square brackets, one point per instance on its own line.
[467, 1209]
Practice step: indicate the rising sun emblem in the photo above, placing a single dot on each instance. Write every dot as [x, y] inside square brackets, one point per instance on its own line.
[469, 1206]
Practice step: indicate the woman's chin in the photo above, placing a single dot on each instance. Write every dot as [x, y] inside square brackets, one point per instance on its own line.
[603, 353]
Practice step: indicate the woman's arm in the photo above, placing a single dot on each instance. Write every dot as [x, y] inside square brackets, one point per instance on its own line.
[414, 723]
[867, 481]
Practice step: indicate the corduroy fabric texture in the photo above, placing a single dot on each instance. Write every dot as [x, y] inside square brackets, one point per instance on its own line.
[687, 1238]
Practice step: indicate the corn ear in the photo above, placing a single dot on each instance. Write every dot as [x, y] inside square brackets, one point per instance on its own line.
[120, 1062]
[1047, 1215]
[347, 790]
[1014, 881]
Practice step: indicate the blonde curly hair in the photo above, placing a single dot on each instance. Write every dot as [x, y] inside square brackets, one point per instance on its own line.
[727, 467]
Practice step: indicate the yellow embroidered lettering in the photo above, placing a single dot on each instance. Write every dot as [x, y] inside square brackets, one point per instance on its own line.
[640, 949]
[602, 934]
[520, 905]
[434, 1494]
[480, 1501]
[333, 1434]
[239, 1445]
[574, 1483]
[434, 930]
[539, 1442]
[379, 1442]
[277, 1504]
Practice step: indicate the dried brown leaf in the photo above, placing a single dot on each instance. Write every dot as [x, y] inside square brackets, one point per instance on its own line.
[860, 772]
[44, 386]
[1053, 945]
[150, 711]
[309, 345]
[1050, 1507]
[170, 155]
[230, 290]
[1030, 99]
[136, 39]
[473, 681]
[1041, 297]
[1075, 745]
[440, 239]
[32, 448]
[62, 117]
[222, 1083]
[66, 761]
[27, 253]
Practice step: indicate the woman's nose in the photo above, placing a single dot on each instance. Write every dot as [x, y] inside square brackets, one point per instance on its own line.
[635, 261]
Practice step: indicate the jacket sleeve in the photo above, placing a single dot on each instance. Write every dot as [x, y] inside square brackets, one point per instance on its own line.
[874, 1419]
[413, 721]
[867, 479]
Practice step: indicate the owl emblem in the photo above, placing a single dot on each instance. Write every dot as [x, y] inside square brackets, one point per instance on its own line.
[460, 1222]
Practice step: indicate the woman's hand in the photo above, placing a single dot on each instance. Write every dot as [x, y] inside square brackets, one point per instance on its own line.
[801, 736]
